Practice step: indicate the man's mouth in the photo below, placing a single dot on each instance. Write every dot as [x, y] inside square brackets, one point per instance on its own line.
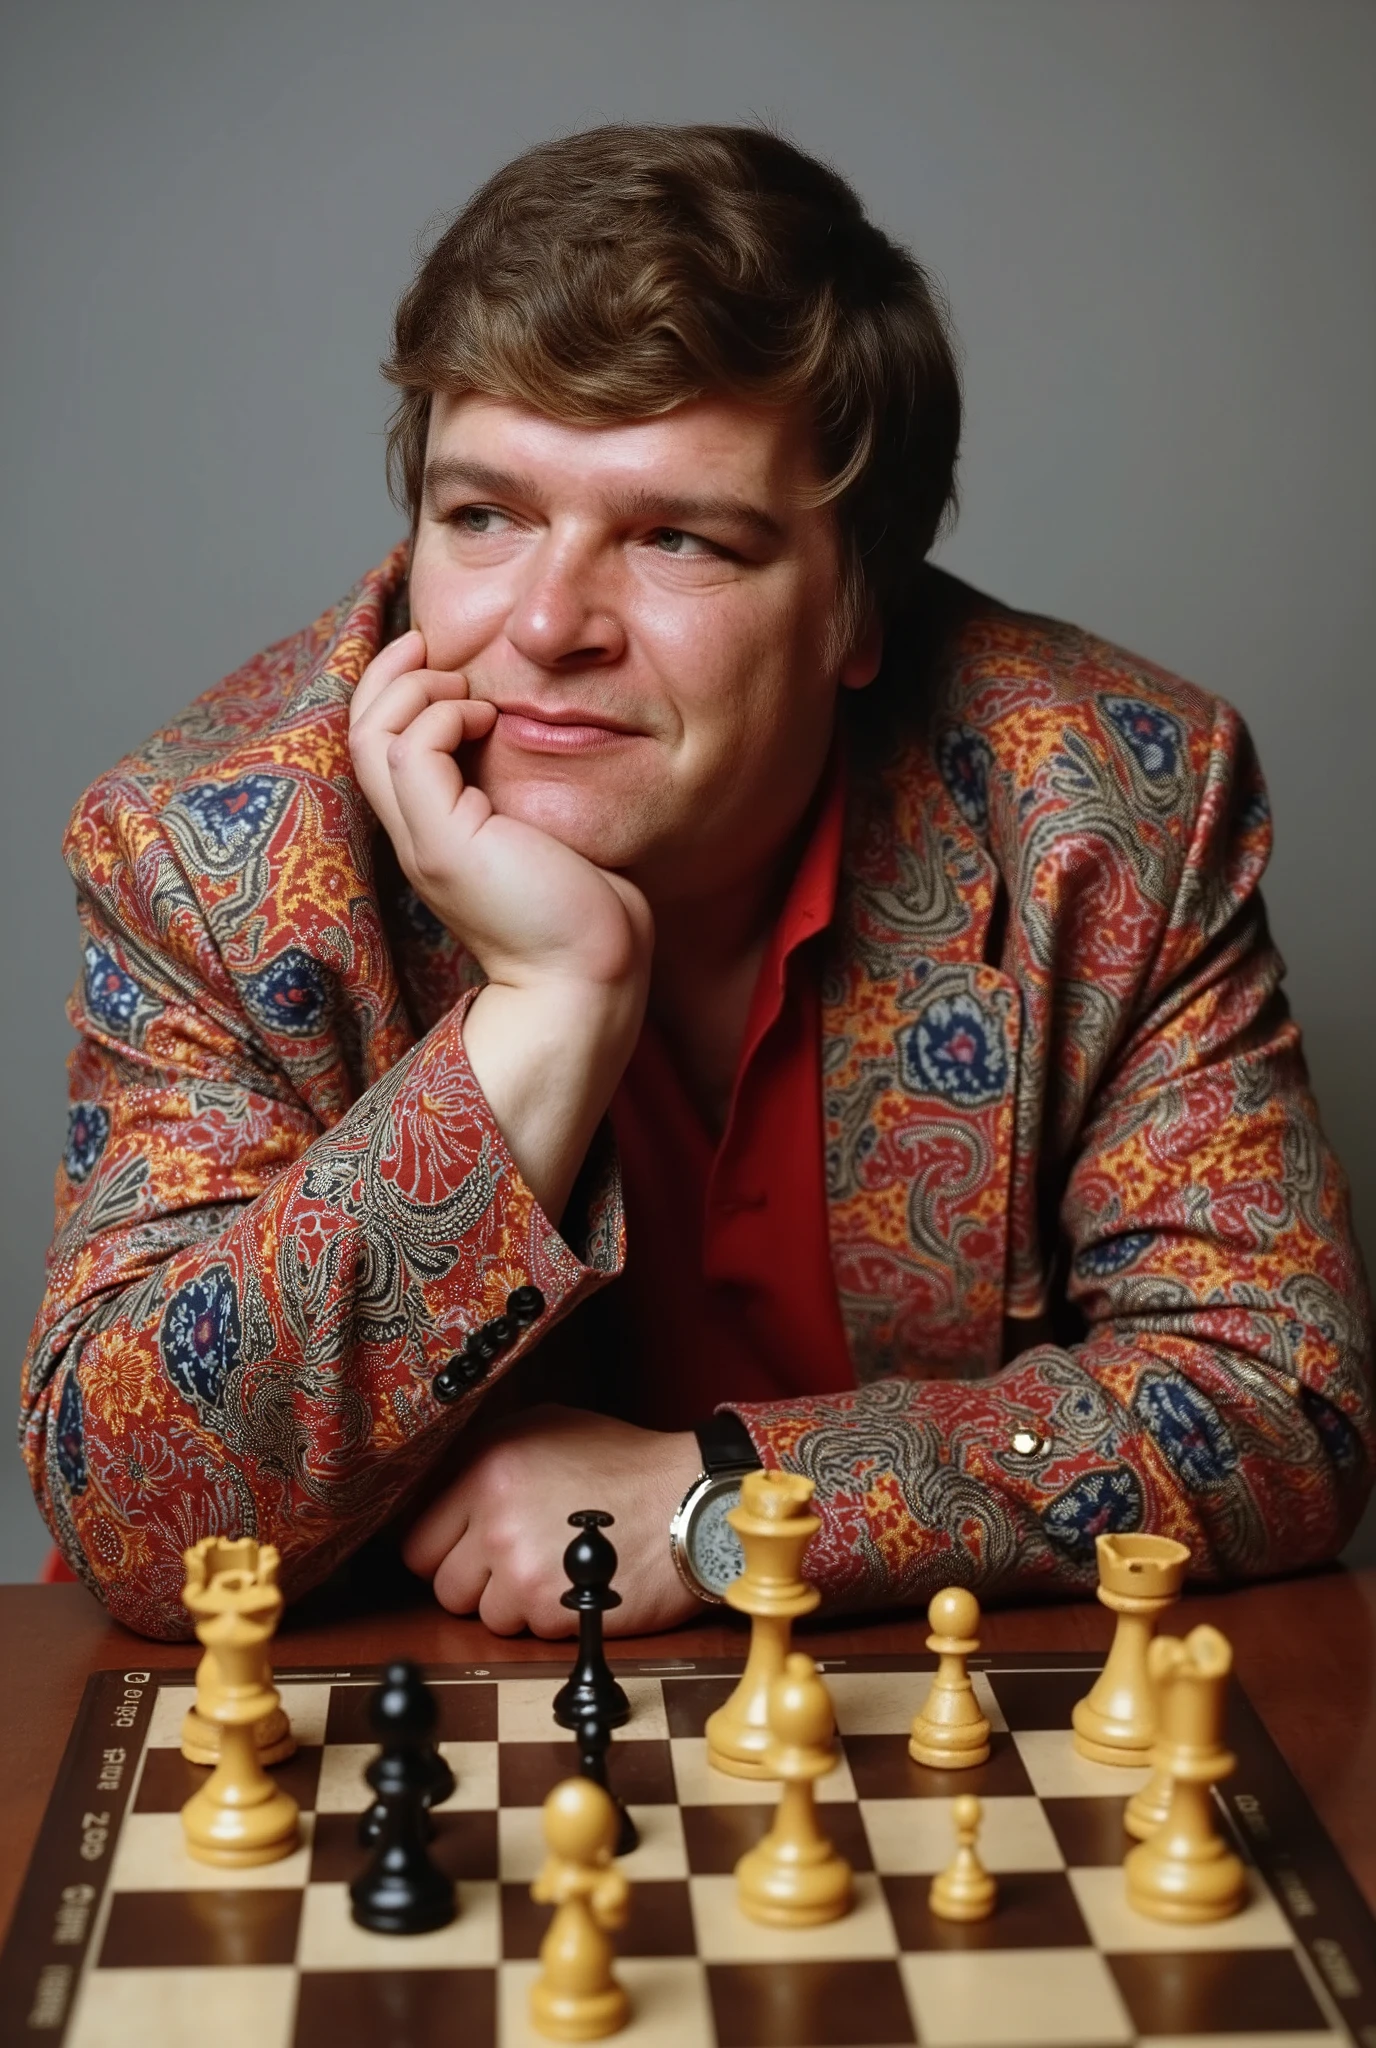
[567, 729]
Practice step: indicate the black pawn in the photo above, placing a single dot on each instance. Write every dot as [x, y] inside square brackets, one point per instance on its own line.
[404, 1699]
[594, 1740]
[590, 1562]
[401, 1891]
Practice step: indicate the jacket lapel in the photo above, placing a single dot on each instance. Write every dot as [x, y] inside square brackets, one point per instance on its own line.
[919, 1070]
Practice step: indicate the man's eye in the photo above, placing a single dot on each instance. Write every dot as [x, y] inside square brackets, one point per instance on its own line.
[476, 519]
[672, 540]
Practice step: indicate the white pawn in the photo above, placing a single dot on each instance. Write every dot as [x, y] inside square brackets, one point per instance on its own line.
[950, 1732]
[794, 1877]
[576, 1997]
[964, 1890]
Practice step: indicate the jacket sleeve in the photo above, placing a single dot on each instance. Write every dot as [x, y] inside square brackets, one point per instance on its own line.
[1221, 1392]
[245, 1311]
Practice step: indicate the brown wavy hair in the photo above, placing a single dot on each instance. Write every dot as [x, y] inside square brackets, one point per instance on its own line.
[615, 274]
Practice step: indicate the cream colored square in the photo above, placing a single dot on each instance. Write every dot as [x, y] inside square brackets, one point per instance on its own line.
[662, 1851]
[169, 1711]
[220, 2008]
[876, 1702]
[1324, 2040]
[701, 1784]
[344, 1789]
[525, 1711]
[151, 1856]
[917, 1836]
[307, 1707]
[1058, 1771]
[884, 1702]
[1003, 1998]
[670, 2007]
[1118, 1928]
[725, 1935]
[330, 1940]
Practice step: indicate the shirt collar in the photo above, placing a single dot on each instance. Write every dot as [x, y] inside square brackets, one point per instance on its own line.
[810, 901]
[811, 897]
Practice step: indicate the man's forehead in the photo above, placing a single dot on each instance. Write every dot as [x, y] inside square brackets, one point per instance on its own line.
[762, 454]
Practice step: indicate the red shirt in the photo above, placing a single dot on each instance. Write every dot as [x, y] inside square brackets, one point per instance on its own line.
[728, 1293]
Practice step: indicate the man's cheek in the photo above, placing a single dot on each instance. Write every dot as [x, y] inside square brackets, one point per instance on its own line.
[460, 621]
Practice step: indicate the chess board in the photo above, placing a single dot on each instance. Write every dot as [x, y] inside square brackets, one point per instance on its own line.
[121, 1941]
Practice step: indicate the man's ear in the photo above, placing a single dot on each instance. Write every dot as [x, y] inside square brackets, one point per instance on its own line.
[861, 665]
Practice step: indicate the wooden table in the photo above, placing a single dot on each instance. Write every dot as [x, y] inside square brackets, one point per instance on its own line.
[1305, 1650]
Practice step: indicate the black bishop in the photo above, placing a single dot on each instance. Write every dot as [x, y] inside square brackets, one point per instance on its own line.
[590, 1563]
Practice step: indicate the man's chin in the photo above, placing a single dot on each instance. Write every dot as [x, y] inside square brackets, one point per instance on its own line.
[600, 831]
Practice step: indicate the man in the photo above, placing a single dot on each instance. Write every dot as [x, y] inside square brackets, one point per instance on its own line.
[659, 952]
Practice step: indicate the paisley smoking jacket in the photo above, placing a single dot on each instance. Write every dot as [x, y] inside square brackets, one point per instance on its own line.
[1091, 1249]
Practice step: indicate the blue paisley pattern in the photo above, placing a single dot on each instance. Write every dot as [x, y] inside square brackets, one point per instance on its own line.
[200, 1337]
[232, 817]
[88, 1127]
[1111, 1254]
[1189, 1430]
[955, 1049]
[111, 995]
[71, 1443]
[1152, 735]
[965, 759]
[1097, 1504]
[291, 995]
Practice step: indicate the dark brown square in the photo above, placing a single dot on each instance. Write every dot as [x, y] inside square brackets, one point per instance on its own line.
[718, 1836]
[883, 1769]
[168, 1780]
[1089, 1832]
[640, 1773]
[154, 1930]
[689, 1701]
[397, 2009]
[822, 2005]
[660, 1922]
[467, 1712]
[1216, 1991]
[1039, 1699]
[1035, 1909]
[464, 1846]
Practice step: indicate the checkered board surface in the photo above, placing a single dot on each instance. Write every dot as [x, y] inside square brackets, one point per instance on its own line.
[121, 1941]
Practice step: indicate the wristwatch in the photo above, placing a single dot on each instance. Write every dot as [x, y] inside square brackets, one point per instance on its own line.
[705, 1548]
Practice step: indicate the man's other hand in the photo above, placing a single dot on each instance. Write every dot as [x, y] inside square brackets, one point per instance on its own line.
[493, 1541]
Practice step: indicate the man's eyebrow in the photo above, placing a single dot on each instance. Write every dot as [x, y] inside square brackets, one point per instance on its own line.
[674, 510]
[453, 472]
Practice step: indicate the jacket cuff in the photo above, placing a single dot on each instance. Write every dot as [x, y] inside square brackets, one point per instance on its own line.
[420, 1170]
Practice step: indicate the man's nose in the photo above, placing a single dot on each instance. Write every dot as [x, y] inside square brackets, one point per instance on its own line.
[565, 615]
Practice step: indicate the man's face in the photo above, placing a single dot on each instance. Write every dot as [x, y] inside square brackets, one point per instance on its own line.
[648, 606]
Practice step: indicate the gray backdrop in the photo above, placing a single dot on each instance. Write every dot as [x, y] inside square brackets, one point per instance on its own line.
[1154, 222]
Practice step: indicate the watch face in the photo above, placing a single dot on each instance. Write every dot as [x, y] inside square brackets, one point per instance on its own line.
[714, 1548]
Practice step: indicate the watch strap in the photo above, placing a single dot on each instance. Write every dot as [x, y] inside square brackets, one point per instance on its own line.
[725, 1444]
